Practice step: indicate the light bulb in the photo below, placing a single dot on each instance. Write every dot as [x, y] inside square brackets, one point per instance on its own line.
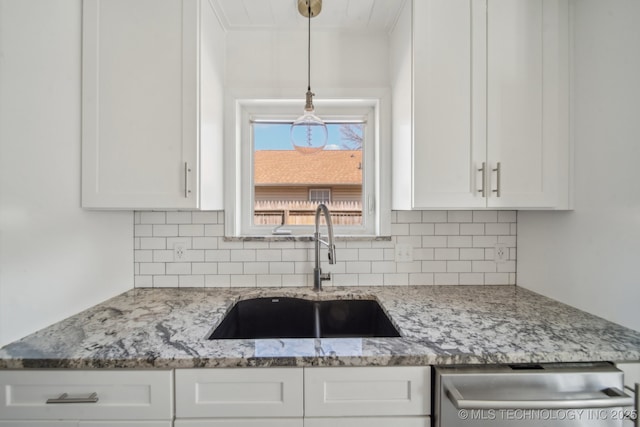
[309, 133]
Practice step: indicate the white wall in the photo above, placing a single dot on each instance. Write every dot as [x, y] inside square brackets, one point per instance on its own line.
[278, 59]
[55, 258]
[590, 258]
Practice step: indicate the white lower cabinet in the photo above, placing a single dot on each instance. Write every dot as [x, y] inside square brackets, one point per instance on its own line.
[50, 423]
[368, 422]
[248, 397]
[241, 422]
[239, 397]
[86, 398]
[313, 397]
[395, 396]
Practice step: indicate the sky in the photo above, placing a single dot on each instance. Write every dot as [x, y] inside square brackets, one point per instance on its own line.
[277, 136]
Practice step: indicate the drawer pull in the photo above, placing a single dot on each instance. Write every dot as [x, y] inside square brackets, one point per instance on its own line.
[64, 398]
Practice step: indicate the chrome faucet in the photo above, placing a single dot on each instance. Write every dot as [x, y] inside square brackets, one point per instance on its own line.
[318, 277]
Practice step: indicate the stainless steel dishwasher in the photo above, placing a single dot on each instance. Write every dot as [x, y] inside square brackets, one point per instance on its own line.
[566, 394]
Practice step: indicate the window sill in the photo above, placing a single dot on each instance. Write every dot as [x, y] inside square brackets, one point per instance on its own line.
[306, 238]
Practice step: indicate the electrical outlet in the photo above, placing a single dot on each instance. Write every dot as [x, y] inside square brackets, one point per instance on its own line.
[179, 251]
[500, 252]
[404, 253]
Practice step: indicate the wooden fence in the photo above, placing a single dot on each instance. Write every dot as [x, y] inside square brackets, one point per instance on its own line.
[269, 212]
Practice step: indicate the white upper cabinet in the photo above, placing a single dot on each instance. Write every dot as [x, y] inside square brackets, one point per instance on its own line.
[153, 76]
[488, 105]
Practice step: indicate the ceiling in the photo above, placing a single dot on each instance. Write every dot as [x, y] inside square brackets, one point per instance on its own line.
[350, 15]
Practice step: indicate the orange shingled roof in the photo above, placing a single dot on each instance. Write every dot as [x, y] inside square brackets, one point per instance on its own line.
[334, 167]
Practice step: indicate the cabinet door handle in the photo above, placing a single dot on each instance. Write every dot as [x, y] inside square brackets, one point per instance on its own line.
[497, 171]
[186, 180]
[64, 398]
[483, 169]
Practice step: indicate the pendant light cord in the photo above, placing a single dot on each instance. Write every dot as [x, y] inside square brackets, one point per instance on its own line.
[309, 48]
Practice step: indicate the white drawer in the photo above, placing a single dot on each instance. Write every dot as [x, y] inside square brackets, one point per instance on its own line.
[239, 393]
[241, 422]
[122, 394]
[365, 391]
[49, 423]
[368, 422]
[38, 423]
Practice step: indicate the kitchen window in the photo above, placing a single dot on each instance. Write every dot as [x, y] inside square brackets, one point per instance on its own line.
[275, 185]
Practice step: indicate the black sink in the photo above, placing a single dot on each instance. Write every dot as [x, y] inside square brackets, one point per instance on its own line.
[261, 318]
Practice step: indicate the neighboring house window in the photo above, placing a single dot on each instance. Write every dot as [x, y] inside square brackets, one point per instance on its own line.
[320, 195]
[275, 184]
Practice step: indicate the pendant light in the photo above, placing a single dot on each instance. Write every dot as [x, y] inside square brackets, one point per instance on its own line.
[309, 132]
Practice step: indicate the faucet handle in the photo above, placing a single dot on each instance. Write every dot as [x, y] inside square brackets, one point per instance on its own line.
[332, 254]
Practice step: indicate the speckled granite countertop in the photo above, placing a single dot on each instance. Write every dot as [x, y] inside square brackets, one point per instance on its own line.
[166, 328]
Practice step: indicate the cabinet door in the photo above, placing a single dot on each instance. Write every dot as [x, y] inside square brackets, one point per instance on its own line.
[368, 422]
[239, 393]
[47, 423]
[241, 422]
[367, 391]
[139, 135]
[526, 103]
[449, 143]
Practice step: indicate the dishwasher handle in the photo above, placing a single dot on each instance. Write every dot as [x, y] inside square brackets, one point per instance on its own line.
[610, 398]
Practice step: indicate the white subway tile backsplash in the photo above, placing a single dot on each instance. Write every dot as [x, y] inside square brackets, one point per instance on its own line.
[178, 217]
[371, 254]
[434, 266]
[446, 279]
[282, 267]
[460, 216]
[230, 268]
[449, 248]
[447, 254]
[217, 281]
[153, 243]
[434, 242]
[269, 280]
[420, 279]
[152, 268]
[191, 281]
[243, 255]
[143, 230]
[507, 216]
[485, 216]
[191, 230]
[173, 268]
[498, 229]
[422, 229]
[409, 217]
[205, 218]
[204, 268]
[385, 267]
[448, 229]
[166, 281]
[459, 241]
[153, 217]
[395, 279]
[243, 281]
[400, 229]
[471, 278]
[359, 267]
[434, 216]
[458, 266]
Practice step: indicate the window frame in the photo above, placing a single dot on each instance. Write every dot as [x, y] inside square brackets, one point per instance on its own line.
[239, 195]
